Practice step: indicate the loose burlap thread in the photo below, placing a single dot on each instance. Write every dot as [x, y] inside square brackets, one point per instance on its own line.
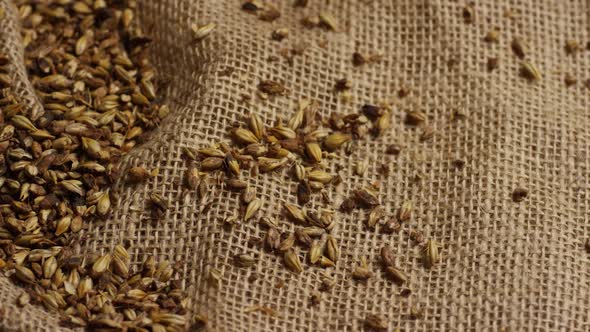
[505, 265]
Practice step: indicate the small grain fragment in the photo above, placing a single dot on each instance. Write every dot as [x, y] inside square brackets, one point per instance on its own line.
[327, 20]
[214, 277]
[459, 164]
[393, 149]
[570, 80]
[311, 21]
[244, 260]
[530, 71]
[493, 36]
[387, 256]
[519, 194]
[376, 322]
[366, 197]
[417, 237]
[342, 85]
[415, 117]
[137, 174]
[427, 133]
[362, 271]
[519, 47]
[280, 34]
[252, 5]
[359, 59]
[391, 226]
[24, 299]
[572, 47]
[315, 298]
[416, 312]
[303, 238]
[300, 3]
[303, 192]
[405, 211]
[492, 64]
[269, 14]
[361, 167]
[200, 32]
[468, 14]
[375, 216]
[287, 242]
[272, 88]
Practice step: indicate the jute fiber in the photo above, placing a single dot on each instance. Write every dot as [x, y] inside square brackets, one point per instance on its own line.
[505, 265]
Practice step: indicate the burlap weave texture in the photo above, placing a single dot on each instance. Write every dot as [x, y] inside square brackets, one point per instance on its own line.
[517, 266]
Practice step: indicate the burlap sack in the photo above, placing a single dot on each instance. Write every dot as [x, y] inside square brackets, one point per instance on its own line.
[505, 265]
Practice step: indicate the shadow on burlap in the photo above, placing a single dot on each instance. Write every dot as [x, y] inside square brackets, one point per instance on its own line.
[519, 266]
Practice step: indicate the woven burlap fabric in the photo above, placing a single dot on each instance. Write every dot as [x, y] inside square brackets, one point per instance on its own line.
[505, 265]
